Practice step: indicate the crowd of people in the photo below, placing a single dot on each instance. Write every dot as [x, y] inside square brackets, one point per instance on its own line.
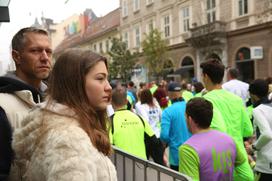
[63, 129]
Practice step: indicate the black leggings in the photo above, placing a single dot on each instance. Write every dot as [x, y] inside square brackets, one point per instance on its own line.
[174, 167]
[264, 176]
[155, 151]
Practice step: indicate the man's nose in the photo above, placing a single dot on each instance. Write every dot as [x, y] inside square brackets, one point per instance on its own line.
[45, 55]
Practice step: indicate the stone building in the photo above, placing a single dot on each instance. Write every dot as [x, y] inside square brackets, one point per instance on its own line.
[237, 31]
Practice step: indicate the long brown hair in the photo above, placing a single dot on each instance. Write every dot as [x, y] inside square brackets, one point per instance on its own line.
[146, 97]
[67, 86]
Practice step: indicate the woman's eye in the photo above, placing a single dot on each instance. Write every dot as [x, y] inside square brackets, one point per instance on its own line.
[100, 78]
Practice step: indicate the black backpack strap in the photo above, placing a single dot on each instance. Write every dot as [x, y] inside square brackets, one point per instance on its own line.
[112, 127]
[141, 119]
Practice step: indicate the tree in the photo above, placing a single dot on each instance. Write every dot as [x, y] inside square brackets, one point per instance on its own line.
[122, 61]
[154, 49]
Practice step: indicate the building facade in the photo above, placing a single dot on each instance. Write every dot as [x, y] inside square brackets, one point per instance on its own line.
[96, 35]
[237, 31]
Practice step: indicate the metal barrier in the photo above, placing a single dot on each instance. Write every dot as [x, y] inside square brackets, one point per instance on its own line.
[131, 168]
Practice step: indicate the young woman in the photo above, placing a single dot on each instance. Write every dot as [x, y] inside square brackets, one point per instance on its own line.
[151, 111]
[66, 138]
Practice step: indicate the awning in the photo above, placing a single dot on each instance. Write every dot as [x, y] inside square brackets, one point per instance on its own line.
[183, 69]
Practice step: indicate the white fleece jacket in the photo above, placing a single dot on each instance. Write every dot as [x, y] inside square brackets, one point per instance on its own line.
[63, 152]
[263, 120]
[16, 106]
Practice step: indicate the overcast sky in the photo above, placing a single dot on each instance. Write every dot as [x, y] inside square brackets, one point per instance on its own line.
[24, 12]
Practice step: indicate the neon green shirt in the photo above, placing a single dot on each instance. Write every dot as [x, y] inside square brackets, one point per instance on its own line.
[233, 112]
[153, 89]
[128, 133]
[218, 122]
[250, 111]
[198, 94]
[189, 161]
[129, 99]
[187, 95]
[238, 125]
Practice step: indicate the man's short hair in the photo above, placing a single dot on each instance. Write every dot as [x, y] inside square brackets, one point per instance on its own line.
[214, 69]
[131, 83]
[119, 96]
[233, 72]
[114, 83]
[142, 84]
[201, 111]
[18, 39]
[184, 85]
[269, 80]
[198, 87]
[259, 87]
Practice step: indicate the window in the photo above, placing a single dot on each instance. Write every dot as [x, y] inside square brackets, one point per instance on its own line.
[94, 47]
[148, 2]
[211, 11]
[136, 5]
[125, 38]
[107, 46]
[168, 68]
[187, 68]
[243, 7]
[150, 26]
[185, 19]
[166, 26]
[137, 36]
[100, 47]
[125, 8]
[245, 64]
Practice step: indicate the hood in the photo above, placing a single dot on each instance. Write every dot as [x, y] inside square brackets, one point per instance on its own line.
[42, 118]
[263, 100]
[11, 83]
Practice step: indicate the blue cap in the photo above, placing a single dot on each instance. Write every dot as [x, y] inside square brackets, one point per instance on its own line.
[174, 87]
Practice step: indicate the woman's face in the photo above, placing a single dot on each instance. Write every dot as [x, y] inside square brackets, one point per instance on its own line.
[97, 87]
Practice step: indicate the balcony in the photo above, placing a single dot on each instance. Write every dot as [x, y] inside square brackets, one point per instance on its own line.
[207, 35]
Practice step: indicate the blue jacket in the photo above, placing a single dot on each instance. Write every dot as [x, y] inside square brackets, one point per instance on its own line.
[174, 129]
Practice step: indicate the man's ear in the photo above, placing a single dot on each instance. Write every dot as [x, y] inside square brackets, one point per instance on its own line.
[16, 57]
[207, 78]
[190, 120]
[254, 97]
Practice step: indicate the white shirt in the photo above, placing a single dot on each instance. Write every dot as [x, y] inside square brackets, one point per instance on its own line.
[153, 115]
[238, 88]
[270, 96]
[263, 119]
[110, 110]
